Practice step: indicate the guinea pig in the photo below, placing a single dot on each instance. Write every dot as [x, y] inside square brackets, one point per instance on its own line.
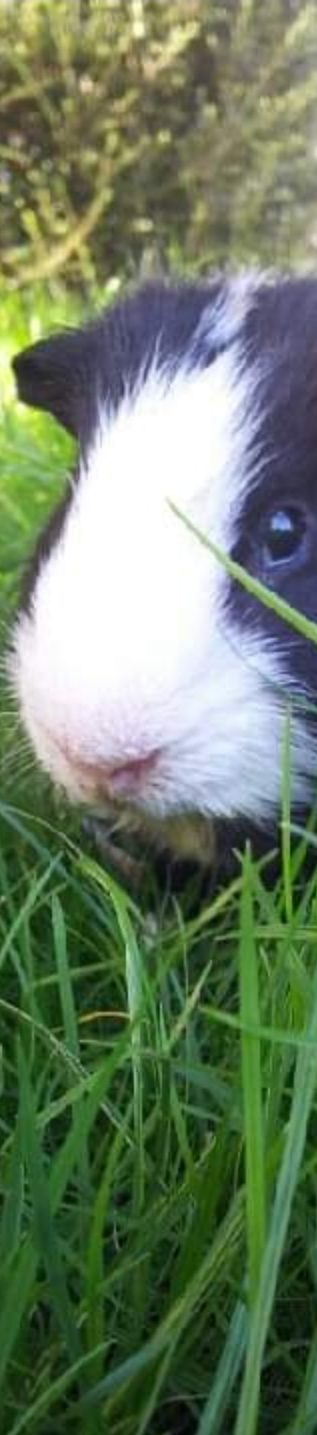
[151, 683]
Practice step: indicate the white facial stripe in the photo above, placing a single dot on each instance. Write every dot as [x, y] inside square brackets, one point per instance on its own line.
[129, 647]
[221, 322]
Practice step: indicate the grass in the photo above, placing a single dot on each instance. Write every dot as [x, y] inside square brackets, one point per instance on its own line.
[158, 1113]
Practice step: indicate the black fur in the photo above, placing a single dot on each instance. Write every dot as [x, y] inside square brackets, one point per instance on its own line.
[281, 332]
[75, 371]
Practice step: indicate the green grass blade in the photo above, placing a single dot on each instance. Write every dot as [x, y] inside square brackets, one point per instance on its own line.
[173, 1325]
[286, 819]
[226, 1375]
[53, 1392]
[44, 1229]
[252, 1086]
[16, 1298]
[65, 985]
[35, 890]
[270, 600]
[305, 1420]
[303, 1094]
[95, 1253]
[11, 1218]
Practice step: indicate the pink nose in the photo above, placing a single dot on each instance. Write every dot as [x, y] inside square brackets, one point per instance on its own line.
[126, 776]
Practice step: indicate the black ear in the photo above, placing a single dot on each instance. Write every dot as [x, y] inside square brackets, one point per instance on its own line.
[52, 375]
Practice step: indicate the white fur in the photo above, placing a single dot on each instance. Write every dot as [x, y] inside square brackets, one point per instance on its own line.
[129, 648]
[221, 321]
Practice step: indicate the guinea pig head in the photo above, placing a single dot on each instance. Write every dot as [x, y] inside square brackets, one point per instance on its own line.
[143, 672]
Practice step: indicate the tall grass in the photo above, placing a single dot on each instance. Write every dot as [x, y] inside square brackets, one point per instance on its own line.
[158, 1105]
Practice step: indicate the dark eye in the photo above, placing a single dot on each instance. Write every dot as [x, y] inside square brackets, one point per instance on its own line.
[283, 535]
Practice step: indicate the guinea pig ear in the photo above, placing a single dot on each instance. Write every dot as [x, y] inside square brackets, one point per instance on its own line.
[51, 375]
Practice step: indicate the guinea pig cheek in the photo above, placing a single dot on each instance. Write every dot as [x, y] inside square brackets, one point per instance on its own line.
[106, 679]
[28, 678]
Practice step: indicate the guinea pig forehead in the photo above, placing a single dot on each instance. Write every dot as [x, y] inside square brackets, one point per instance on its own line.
[185, 436]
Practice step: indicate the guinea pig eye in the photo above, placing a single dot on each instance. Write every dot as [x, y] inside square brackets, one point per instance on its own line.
[283, 535]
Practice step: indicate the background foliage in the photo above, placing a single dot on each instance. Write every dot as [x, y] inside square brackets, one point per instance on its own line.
[155, 132]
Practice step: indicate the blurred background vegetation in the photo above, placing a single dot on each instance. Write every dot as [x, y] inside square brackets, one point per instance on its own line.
[152, 134]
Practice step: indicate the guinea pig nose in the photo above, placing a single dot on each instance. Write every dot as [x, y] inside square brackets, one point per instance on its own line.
[124, 776]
